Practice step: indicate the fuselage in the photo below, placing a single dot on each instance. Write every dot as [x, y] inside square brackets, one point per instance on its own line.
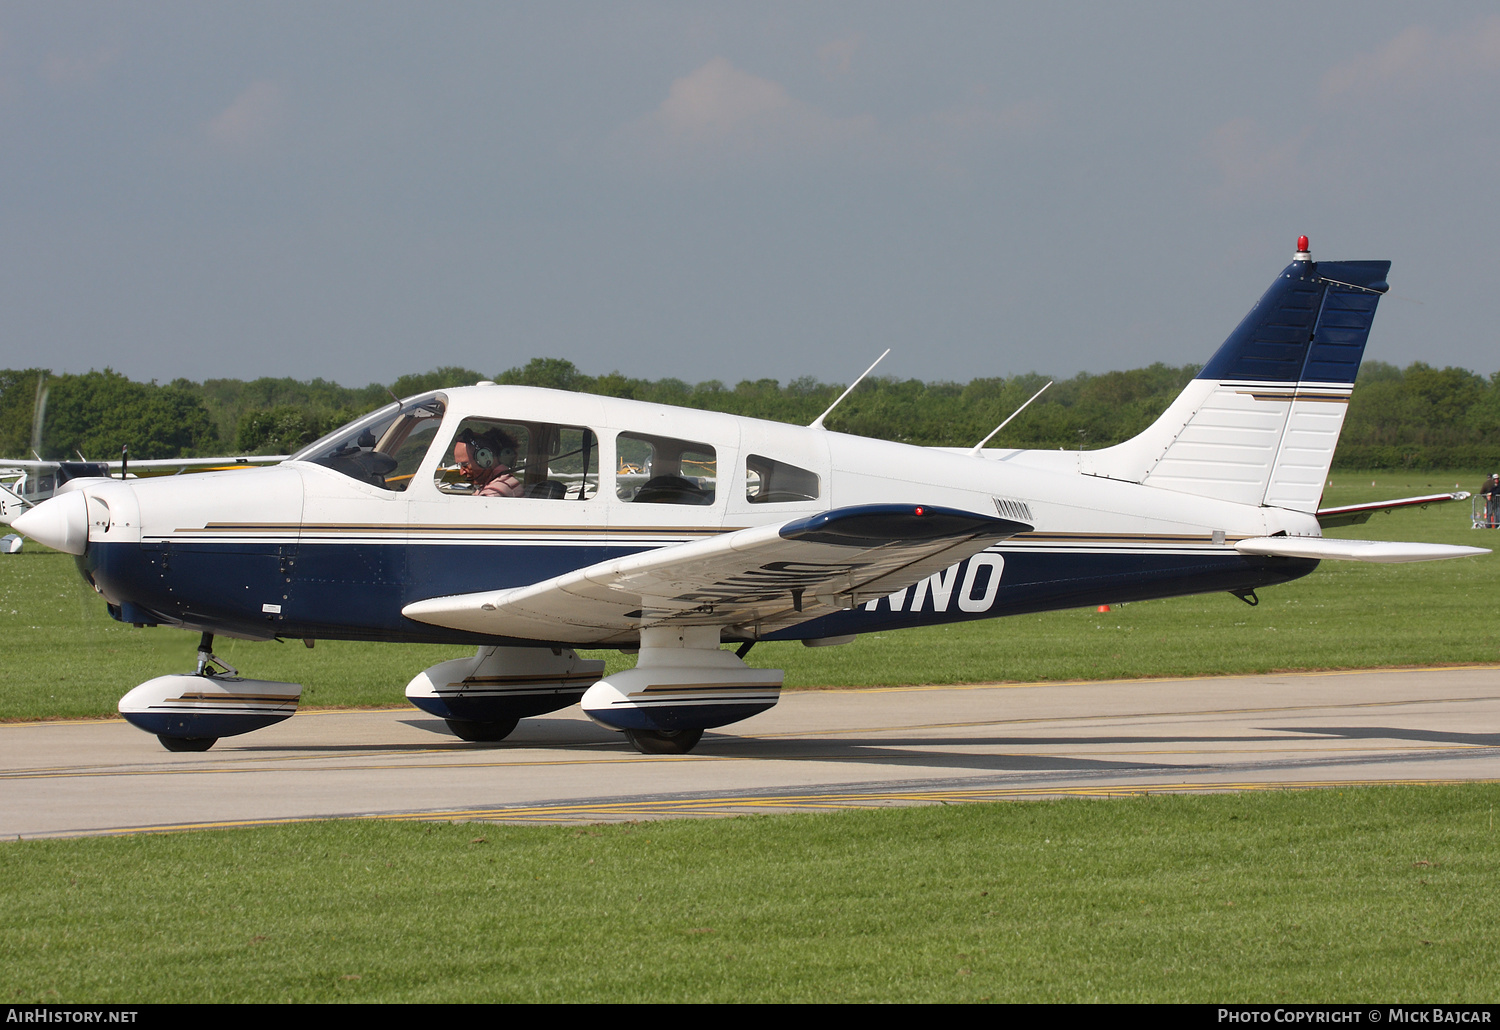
[335, 541]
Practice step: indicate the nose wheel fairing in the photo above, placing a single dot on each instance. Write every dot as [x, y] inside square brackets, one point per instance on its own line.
[196, 707]
[191, 712]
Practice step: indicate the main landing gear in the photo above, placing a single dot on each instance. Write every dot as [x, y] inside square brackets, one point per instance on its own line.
[664, 742]
[490, 732]
[681, 685]
[482, 698]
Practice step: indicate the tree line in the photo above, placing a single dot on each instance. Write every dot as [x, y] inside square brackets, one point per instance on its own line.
[1418, 417]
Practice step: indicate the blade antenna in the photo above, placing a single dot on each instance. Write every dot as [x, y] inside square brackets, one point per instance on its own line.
[980, 445]
[817, 423]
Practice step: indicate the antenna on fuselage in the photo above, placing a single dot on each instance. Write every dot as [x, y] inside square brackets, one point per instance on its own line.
[980, 445]
[817, 423]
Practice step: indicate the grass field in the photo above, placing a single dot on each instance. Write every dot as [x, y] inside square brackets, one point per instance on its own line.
[1361, 895]
[1345, 615]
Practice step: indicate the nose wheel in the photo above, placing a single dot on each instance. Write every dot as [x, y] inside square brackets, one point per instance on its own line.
[186, 743]
[207, 661]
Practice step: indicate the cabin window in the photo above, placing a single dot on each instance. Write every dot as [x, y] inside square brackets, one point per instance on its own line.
[383, 448]
[663, 470]
[768, 481]
[492, 458]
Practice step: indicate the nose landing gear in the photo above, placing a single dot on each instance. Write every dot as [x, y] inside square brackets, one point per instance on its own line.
[191, 712]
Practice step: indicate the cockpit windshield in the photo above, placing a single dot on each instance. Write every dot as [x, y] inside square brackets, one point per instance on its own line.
[384, 447]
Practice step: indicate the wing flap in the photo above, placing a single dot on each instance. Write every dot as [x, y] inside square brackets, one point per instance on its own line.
[1353, 550]
[755, 580]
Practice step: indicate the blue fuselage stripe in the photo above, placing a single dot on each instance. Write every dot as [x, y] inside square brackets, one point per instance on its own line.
[355, 591]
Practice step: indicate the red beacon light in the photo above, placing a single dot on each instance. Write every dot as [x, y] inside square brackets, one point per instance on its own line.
[1303, 253]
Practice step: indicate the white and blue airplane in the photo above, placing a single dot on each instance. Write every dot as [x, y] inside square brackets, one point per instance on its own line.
[618, 524]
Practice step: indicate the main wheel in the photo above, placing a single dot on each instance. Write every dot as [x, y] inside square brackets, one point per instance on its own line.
[186, 743]
[482, 732]
[663, 742]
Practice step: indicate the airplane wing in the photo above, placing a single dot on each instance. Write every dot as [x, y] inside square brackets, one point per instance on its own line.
[15, 501]
[170, 466]
[26, 465]
[1352, 550]
[155, 465]
[1355, 514]
[751, 581]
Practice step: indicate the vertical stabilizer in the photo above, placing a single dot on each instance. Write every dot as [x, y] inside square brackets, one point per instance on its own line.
[1260, 422]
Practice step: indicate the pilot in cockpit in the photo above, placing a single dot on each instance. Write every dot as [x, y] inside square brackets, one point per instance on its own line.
[485, 460]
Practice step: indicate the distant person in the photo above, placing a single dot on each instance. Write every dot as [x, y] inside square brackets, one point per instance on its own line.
[484, 459]
[1491, 494]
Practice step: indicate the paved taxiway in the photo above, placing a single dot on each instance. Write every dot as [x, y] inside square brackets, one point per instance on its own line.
[817, 750]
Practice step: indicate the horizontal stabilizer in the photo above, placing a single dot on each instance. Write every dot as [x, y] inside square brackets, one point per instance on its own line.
[1355, 514]
[751, 581]
[1352, 550]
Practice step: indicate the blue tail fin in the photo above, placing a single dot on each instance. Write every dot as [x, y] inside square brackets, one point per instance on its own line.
[1311, 326]
[1260, 422]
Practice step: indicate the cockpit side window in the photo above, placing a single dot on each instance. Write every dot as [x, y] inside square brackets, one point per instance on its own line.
[493, 458]
[768, 481]
[663, 470]
[384, 447]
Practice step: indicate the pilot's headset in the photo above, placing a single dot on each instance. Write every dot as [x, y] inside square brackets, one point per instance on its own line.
[489, 449]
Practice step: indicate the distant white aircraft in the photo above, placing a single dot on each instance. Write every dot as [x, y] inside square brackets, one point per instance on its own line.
[25, 484]
[529, 522]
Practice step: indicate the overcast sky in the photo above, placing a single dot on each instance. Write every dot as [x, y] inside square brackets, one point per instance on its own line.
[727, 191]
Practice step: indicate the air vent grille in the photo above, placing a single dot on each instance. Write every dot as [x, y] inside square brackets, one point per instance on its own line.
[1009, 509]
